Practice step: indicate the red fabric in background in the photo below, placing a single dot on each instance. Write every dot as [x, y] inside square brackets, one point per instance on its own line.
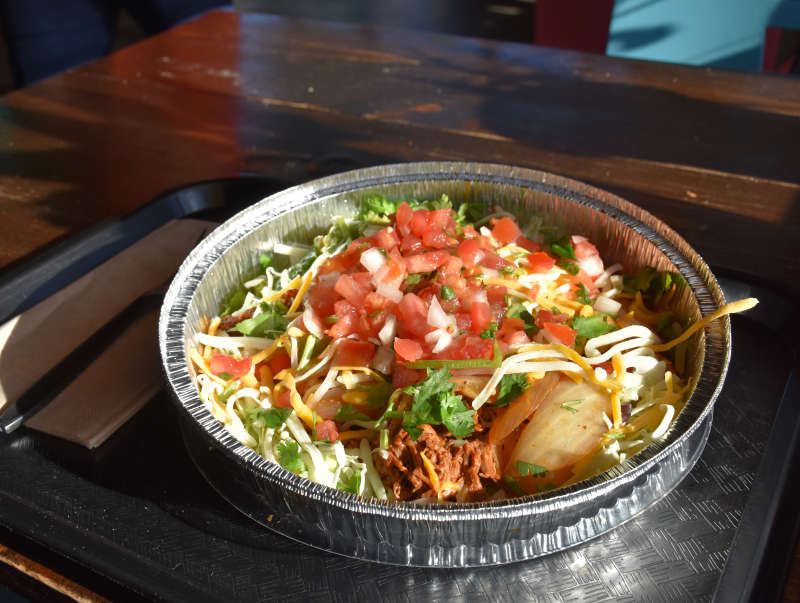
[575, 24]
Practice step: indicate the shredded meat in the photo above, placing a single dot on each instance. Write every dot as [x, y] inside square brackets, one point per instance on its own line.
[467, 466]
[230, 321]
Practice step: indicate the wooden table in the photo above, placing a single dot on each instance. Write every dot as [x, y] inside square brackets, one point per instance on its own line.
[713, 153]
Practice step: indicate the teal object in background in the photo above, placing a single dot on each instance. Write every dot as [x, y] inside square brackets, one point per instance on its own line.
[718, 33]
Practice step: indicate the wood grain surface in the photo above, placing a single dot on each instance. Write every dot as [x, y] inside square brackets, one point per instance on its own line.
[713, 153]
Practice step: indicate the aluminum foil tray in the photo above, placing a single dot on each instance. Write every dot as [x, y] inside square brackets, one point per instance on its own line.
[453, 535]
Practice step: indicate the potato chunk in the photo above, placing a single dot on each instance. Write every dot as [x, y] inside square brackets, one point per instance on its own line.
[555, 437]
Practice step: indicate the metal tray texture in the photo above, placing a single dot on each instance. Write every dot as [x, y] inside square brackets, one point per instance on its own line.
[454, 535]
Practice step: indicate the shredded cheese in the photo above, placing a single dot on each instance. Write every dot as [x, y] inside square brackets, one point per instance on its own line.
[731, 308]
[301, 292]
[431, 472]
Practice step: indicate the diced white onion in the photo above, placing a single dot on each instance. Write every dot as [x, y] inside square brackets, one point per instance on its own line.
[601, 280]
[389, 292]
[607, 305]
[437, 317]
[388, 330]
[372, 259]
[591, 265]
[233, 343]
[441, 338]
[311, 323]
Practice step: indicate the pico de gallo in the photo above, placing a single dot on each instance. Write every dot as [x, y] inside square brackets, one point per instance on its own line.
[428, 353]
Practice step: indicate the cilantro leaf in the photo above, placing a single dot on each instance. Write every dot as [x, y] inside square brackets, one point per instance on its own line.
[524, 468]
[225, 376]
[517, 310]
[413, 279]
[352, 483]
[435, 403]
[653, 283]
[347, 412]
[514, 485]
[377, 209]
[591, 326]
[378, 394]
[274, 417]
[511, 387]
[269, 323]
[563, 249]
[289, 457]
[232, 302]
[490, 332]
[582, 294]
[447, 292]
[264, 260]
[570, 267]
[468, 213]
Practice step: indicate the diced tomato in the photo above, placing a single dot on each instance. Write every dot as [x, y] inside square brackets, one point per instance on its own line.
[528, 244]
[452, 267]
[493, 261]
[468, 346]
[283, 399]
[374, 301]
[435, 239]
[350, 352]
[582, 247]
[514, 338]
[410, 244]
[463, 321]
[351, 290]
[505, 231]
[321, 296]
[562, 332]
[412, 314]
[439, 219]
[480, 315]
[512, 324]
[327, 430]
[540, 262]
[403, 217]
[221, 364]
[470, 252]
[407, 350]
[426, 262]
[419, 222]
[496, 294]
[347, 320]
[544, 316]
[584, 279]
[469, 232]
[403, 376]
[386, 238]
[394, 274]
[279, 361]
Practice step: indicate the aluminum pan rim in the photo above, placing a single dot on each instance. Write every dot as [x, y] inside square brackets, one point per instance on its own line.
[172, 325]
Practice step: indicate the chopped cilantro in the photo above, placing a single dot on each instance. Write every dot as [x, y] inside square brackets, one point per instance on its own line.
[583, 296]
[570, 267]
[435, 403]
[413, 279]
[289, 457]
[270, 323]
[265, 261]
[510, 388]
[377, 209]
[570, 405]
[564, 250]
[490, 332]
[352, 483]
[226, 376]
[233, 301]
[591, 326]
[347, 412]
[274, 417]
[524, 468]
[653, 283]
[447, 293]
[517, 310]
[332, 319]
[468, 213]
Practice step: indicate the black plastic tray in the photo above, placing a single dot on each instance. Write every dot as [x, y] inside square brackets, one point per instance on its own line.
[134, 518]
